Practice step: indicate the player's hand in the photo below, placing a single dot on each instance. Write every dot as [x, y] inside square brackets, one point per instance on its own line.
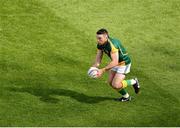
[100, 72]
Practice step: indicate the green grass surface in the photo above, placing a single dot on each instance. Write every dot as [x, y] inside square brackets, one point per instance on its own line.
[47, 46]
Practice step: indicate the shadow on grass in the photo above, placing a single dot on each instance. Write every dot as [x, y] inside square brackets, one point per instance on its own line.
[46, 94]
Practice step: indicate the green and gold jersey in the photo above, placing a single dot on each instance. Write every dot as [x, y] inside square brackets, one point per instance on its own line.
[114, 45]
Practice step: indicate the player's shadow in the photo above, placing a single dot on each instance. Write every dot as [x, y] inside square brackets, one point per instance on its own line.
[46, 94]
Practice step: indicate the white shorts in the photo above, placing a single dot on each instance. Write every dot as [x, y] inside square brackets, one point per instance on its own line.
[122, 69]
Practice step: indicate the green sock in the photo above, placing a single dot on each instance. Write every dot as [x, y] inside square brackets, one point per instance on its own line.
[123, 92]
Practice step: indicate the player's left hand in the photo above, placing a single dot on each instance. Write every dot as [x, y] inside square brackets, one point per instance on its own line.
[100, 73]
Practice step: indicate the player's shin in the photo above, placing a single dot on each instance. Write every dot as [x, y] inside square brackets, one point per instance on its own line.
[124, 93]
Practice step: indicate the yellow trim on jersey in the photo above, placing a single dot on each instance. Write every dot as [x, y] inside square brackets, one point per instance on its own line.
[113, 48]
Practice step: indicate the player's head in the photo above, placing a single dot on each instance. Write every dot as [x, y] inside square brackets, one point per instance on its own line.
[102, 36]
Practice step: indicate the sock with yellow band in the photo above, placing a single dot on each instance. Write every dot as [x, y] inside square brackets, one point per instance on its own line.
[126, 83]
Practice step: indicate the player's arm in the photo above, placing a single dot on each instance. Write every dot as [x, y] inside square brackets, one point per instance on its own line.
[98, 59]
[114, 61]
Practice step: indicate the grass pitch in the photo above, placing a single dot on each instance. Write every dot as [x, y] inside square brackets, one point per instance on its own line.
[47, 46]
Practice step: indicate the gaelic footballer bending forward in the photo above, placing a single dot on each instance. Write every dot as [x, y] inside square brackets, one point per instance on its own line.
[118, 67]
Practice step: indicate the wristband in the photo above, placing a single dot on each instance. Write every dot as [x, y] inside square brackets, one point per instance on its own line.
[104, 69]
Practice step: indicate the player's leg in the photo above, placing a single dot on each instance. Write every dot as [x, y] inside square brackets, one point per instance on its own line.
[121, 91]
[117, 84]
[111, 76]
[131, 82]
[118, 78]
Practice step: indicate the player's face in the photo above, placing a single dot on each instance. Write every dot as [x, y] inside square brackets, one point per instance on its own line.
[101, 38]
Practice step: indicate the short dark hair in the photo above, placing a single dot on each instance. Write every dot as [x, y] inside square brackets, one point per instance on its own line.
[102, 31]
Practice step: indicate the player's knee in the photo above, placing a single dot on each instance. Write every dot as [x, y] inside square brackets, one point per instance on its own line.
[116, 85]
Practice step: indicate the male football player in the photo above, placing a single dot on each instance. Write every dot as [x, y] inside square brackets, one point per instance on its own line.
[119, 65]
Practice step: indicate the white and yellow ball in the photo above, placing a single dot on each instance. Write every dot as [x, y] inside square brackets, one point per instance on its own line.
[93, 72]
